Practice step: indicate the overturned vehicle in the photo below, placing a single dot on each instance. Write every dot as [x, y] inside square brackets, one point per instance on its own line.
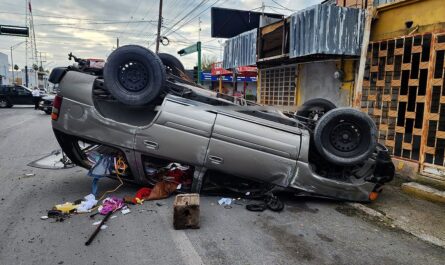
[143, 106]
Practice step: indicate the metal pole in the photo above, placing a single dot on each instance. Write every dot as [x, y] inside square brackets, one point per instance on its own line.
[198, 45]
[117, 42]
[158, 38]
[12, 64]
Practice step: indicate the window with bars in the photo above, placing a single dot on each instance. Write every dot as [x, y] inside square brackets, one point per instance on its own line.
[399, 74]
[278, 86]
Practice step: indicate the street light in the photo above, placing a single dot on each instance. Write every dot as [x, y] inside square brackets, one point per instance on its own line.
[12, 60]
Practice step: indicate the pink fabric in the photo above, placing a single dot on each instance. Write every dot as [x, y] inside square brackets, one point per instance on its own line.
[110, 205]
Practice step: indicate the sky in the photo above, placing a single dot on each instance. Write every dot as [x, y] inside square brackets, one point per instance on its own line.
[89, 28]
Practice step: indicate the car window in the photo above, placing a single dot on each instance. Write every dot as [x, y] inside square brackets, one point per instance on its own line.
[22, 91]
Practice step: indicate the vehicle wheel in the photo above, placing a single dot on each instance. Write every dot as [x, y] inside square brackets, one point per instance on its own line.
[4, 103]
[172, 64]
[345, 136]
[315, 106]
[134, 75]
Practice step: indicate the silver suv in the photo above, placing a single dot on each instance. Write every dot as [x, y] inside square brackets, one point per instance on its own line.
[143, 106]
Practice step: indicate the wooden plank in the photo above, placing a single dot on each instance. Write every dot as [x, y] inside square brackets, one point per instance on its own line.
[406, 66]
[386, 98]
[395, 82]
[413, 82]
[375, 68]
[400, 129]
[392, 113]
[380, 83]
[416, 49]
[430, 150]
[420, 99]
[398, 51]
[432, 116]
[390, 143]
[439, 47]
[436, 82]
[377, 112]
[383, 53]
[423, 65]
[403, 98]
[407, 146]
[417, 131]
[371, 97]
[410, 115]
[272, 27]
[383, 127]
[440, 134]
[442, 99]
[389, 68]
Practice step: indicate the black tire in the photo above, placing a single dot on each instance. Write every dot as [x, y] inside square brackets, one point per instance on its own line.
[345, 136]
[172, 64]
[134, 75]
[48, 112]
[313, 106]
[4, 103]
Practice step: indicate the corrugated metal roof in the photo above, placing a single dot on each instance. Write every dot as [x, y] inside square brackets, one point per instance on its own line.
[240, 50]
[326, 29]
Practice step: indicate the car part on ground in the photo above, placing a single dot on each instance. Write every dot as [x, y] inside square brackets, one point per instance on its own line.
[331, 153]
[134, 75]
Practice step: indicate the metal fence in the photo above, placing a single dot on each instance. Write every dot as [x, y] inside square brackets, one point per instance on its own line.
[240, 50]
[326, 29]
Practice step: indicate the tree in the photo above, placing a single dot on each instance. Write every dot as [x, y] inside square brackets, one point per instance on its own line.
[35, 67]
[16, 67]
[207, 61]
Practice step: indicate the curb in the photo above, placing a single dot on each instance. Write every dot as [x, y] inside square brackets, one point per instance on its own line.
[423, 192]
[398, 224]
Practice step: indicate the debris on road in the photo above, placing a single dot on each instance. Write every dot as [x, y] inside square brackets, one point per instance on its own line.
[186, 211]
[225, 201]
[125, 210]
[99, 227]
[110, 205]
[86, 205]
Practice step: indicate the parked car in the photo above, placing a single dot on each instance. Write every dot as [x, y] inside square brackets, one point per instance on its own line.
[11, 95]
[142, 106]
[46, 103]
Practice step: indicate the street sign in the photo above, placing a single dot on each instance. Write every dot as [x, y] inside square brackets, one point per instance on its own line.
[14, 31]
[190, 49]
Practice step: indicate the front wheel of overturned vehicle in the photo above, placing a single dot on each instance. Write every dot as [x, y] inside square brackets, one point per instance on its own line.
[134, 75]
[314, 108]
[345, 136]
[172, 64]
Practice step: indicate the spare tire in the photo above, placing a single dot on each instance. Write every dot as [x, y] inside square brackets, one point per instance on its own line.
[172, 64]
[314, 106]
[134, 75]
[345, 136]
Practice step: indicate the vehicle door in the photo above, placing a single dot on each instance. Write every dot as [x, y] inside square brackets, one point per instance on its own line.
[249, 149]
[180, 132]
[23, 96]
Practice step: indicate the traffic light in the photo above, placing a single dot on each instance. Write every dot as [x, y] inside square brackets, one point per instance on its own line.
[195, 74]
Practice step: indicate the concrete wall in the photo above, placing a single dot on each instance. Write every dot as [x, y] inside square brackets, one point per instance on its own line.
[427, 15]
[317, 81]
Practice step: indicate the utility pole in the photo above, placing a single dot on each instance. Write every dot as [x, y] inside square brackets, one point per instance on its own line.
[117, 42]
[158, 38]
[12, 64]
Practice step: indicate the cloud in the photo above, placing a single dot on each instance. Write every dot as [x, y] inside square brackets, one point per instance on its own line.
[80, 26]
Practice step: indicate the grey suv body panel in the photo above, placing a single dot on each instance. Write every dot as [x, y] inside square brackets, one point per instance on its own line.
[205, 136]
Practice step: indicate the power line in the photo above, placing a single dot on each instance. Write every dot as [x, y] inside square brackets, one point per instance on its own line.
[97, 23]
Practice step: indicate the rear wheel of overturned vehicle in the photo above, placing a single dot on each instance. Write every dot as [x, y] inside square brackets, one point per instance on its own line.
[345, 136]
[313, 109]
[172, 64]
[134, 75]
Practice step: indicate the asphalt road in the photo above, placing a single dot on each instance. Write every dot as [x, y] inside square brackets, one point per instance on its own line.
[308, 231]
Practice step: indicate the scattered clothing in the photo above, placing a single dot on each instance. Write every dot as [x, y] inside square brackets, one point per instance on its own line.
[86, 205]
[111, 205]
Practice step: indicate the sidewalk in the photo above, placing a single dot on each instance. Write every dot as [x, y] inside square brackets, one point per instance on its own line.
[420, 218]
